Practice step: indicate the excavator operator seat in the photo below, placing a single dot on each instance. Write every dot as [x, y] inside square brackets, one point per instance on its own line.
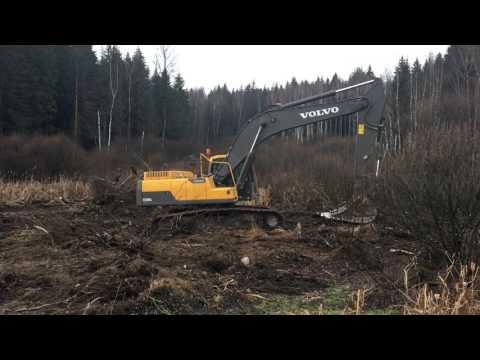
[219, 182]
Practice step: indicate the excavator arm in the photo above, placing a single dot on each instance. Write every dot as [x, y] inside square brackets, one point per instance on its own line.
[303, 112]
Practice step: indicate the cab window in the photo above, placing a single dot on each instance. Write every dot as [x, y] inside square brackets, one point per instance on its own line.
[223, 176]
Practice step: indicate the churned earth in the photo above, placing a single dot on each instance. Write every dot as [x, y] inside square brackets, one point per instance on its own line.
[90, 258]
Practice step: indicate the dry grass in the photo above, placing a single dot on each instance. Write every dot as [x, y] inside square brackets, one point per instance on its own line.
[457, 294]
[28, 192]
[265, 196]
[356, 305]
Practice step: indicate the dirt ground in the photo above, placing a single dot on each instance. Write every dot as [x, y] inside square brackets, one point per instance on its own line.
[87, 258]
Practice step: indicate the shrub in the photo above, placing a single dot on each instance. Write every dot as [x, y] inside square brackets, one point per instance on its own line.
[312, 175]
[40, 157]
[432, 190]
[44, 157]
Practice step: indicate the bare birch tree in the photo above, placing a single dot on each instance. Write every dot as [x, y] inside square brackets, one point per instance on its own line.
[113, 90]
[397, 105]
[75, 123]
[129, 68]
[99, 131]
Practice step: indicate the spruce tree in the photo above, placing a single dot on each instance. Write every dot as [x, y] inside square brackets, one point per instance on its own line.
[87, 93]
[32, 89]
[179, 125]
[141, 106]
[67, 68]
[6, 125]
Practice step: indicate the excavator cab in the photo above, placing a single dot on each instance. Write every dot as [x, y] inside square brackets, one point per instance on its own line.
[216, 165]
[159, 188]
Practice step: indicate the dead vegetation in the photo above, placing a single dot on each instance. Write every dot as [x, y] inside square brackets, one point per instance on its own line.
[45, 157]
[456, 292]
[59, 191]
[431, 192]
[307, 176]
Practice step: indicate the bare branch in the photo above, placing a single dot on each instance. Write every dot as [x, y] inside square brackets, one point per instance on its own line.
[165, 59]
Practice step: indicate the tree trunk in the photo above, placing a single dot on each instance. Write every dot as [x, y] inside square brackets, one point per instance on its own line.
[415, 114]
[114, 91]
[164, 130]
[397, 103]
[110, 122]
[129, 125]
[99, 132]
[411, 125]
[75, 125]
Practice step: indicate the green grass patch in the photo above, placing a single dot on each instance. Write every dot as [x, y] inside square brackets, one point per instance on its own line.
[333, 301]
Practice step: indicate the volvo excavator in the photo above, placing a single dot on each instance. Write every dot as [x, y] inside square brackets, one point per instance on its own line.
[228, 185]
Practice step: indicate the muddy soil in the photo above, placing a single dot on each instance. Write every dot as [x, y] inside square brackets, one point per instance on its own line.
[87, 258]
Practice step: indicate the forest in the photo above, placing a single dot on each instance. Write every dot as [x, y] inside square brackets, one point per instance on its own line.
[69, 115]
[60, 89]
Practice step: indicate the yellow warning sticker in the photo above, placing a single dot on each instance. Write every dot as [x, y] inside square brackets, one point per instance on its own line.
[361, 129]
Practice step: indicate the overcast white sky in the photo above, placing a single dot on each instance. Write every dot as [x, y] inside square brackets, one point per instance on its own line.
[238, 65]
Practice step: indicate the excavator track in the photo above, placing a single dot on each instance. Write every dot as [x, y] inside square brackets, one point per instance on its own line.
[272, 217]
[267, 213]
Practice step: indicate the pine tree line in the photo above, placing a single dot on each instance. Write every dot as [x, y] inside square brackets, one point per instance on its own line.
[66, 89]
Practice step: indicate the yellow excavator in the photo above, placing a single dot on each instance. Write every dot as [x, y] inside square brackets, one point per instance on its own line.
[227, 184]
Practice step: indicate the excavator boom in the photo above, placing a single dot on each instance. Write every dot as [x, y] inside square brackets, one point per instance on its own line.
[300, 113]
